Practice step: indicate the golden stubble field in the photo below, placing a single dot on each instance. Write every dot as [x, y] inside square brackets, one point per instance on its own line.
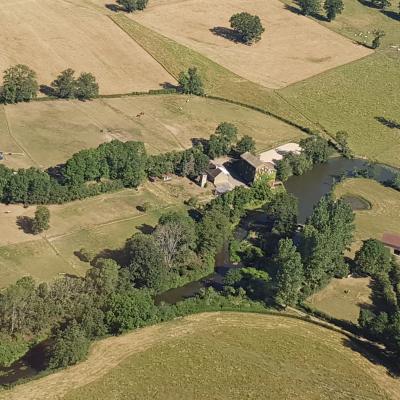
[293, 47]
[52, 35]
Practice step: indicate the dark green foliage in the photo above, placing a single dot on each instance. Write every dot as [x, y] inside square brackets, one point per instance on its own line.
[284, 169]
[129, 310]
[70, 346]
[65, 85]
[248, 26]
[146, 266]
[246, 143]
[103, 278]
[342, 142]
[283, 210]
[11, 349]
[19, 84]
[309, 7]
[222, 141]
[191, 82]
[373, 258]
[133, 5]
[299, 163]
[41, 221]
[326, 236]
[86, 86]
[333, 8]
[315, 148]
[395, 182]
[290, 274]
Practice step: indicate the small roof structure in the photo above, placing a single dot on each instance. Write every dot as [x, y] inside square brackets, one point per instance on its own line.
[251, 159]
[391, 240]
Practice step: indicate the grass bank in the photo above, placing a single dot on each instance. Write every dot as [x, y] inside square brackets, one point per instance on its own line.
[219, 356]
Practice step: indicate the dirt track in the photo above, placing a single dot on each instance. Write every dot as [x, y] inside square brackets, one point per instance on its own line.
[108, 353]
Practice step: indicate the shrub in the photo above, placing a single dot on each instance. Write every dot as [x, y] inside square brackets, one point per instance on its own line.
[19, 84]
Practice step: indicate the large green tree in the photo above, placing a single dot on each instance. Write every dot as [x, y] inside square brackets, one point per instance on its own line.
[19, 84]
[133, 5]
[86, 86]
[191, 82]
[282, 210]
[248, 26]
[372, 258]
[146, 262]
[222, 141]
[333, 8]
[289, 273]
[65, 86]
[69, 346]
[309, 7]
[41, 222]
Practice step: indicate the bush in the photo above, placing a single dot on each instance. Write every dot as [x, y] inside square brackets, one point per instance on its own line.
[70, 346]
[11, 349]
[248, 26]
[41, 221]
[133, 5]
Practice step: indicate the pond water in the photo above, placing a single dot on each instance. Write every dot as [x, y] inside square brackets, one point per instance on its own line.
[308, 188]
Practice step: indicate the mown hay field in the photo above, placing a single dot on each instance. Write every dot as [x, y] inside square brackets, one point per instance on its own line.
[361, 98]
[220, 356]
[49, 132]
[50, 36]
[292, 47]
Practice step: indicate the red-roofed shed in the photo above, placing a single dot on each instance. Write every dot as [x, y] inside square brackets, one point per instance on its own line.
[392, 241]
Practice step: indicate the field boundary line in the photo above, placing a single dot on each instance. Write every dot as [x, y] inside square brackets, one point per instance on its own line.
[8, 125]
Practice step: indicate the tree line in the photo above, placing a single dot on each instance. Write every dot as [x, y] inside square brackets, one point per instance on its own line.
[115, 165]
[20, 84]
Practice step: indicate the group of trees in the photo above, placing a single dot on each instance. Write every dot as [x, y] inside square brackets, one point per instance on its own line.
[66, 86]
[331, 7]
[87, 173]
[296, 270]
[382, 322]
[191, 82]
[20, 84]
[315, 150]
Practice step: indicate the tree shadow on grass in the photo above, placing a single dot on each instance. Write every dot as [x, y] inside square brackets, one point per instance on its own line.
[146, 229]
[391, 14]
[390, 123]
[47, 90]
[367, 3]
[293, 9]
[114, 7]
[227, 33]
[25, 224]
[169, 85]
[120, 256]
[374, 353]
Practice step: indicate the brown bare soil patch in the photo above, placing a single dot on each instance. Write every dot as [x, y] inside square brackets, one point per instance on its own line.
[292, 48]
[51, 36]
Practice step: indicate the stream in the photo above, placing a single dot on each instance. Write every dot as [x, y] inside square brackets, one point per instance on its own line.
[308, 188]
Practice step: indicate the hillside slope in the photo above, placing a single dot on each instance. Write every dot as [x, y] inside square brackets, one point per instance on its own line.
[219, 356]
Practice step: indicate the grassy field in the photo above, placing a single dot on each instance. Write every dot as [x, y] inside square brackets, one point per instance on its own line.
[219, 81]
[359, 98]
[362, 96]
[100, 224]
[50, 36]
[219, 356]
[342, 297]
[275, 61]
[169, 122]
[358, 21]
[384, 215]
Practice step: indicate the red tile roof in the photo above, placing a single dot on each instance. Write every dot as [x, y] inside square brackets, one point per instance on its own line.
[391, 239]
